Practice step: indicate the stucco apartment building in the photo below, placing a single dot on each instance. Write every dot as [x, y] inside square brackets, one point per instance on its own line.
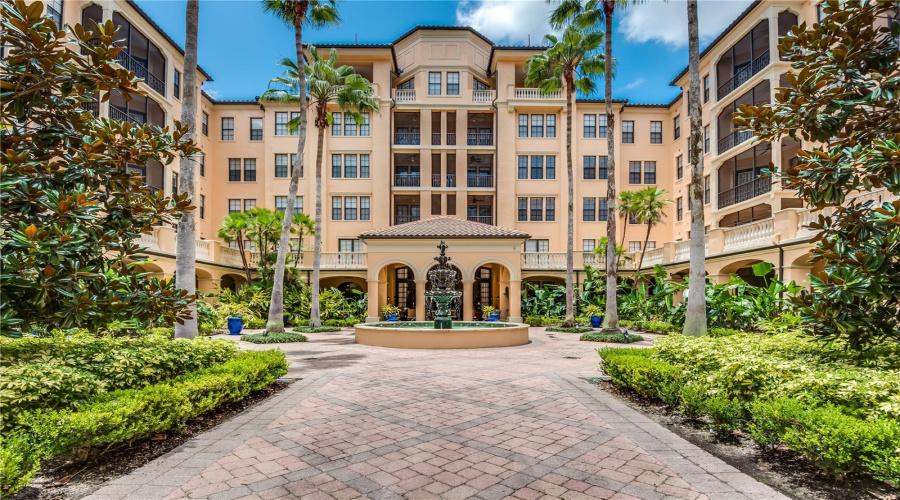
[462, 150]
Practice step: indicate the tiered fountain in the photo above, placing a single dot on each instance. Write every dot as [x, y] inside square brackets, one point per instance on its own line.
[443, 333]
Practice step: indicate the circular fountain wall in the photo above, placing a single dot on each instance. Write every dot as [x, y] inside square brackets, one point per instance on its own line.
[423, 335]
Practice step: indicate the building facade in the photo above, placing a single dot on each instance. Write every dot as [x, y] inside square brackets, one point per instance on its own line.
[461, 149]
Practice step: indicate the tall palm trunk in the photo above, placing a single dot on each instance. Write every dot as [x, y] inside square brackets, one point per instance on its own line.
[611, 318]
[695, 320]
[646, 239]
[275, 322]
[185, 246]
[570, 174]
[240, 244]
[317, 245]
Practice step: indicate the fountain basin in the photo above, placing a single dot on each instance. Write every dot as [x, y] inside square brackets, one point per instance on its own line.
[423, 335]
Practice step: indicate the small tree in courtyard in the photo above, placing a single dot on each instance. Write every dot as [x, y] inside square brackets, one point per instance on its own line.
[71, 210]
[843, 100]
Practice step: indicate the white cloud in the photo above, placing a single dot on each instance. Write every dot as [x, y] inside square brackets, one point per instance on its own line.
[666, 21]
[212, 93]
[634, 84]
[507, 21]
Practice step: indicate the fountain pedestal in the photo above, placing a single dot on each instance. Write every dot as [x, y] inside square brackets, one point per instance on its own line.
[443, 289]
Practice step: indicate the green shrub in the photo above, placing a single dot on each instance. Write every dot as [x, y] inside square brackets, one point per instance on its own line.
[769, 418]
[610, 337]
[570, 329]
[727, 415]
[131, 414]
[692, 399]
[536, 320]
[19, 462]
[658, 327]
[317, 329]
[723, 332]
[273, 338]
[634, 369]
[254, 323]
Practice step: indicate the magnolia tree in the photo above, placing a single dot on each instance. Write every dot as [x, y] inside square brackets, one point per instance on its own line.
[71, 210]
[843, 100]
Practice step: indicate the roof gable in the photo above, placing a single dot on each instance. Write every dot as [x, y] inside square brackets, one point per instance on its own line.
[443, 227]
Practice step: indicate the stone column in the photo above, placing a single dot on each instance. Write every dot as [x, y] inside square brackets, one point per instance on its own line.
[383, 296]
[373, 293]
[515, 301]
[420, 300]
[503, 303]
[468, 292]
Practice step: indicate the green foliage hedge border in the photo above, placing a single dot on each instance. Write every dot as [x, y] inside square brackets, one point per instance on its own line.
[132, 414]
[614, 337]
[570, 329]
[832, 440]
[274, 338]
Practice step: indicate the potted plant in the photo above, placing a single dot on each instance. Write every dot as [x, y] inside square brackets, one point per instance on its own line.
[490, 313]
[390, 312]
[596, 315]
[235, 324]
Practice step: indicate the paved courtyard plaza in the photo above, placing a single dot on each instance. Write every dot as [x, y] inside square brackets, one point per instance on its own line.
[371, 422]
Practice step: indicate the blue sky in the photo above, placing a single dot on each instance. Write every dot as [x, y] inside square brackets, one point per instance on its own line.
[240, 45]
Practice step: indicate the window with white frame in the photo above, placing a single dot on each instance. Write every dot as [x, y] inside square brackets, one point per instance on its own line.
[281, 165]
[234, 205]
[227, 129]
[656, 132]
[634, 172]
[249, 169]
[335, 124]
[628, 132]
[281, 123]
[249, 204]
[676, 126]
[434, 83]
[256, 129]
[706, 139]
[350, 245]
[234, 170]
[551, 126]
[588, 245]
[602, 127]
[590, 126]
[537, 125]
[634, 246]
[535, 246]
[679, 209]
[176, 84]
[679, 167]
[453, 83]
[523, 125]
[649, 172]
[204, 124]
[202, 206]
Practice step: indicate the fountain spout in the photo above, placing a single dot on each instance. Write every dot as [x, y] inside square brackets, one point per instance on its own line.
[443, 288]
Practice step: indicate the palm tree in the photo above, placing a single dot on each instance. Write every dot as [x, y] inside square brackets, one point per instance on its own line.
[263, 229]
[185, 247]
[302, 224]
[296, 14]
[627, 204]
[329, 84]
[234, 230]
[651, 204]
[569, 63]
[695, 319]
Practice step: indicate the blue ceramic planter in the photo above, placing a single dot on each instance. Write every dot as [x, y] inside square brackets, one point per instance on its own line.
[494, 317]
[235, 325]
[391, 317]
[596, 321]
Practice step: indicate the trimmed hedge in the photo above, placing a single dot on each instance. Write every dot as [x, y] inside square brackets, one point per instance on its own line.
[611, 337]
[274, 338]
[132, 414]
[570, 329]
[827, 434]
[660, 327]
[60, 372]
[317, 329]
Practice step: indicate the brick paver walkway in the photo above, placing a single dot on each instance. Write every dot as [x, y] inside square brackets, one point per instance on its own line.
[367, 422]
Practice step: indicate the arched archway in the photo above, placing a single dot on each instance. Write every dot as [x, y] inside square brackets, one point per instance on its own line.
[233, 282]
[744, 270]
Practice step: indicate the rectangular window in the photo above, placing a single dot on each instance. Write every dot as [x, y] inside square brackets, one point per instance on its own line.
[523, 210]
[336, 166]
[590, 167]
[537, 125]
[350, 246]
[295, 115]
[628, 132]
[298, 205]
[676, 126]
[363, 166]
[679, 167]
[634, 172]
[281, 121]
[537, 210]
[294, 162]
[588, 245]
[602, 127]
[537, 167]
[335, 124]
[655, 132]
[634, 246]
[234, 169]
[280, 203]
[434, 83]
[706, 89]
[535, 246]
[202, 165]
[706, 191]
[249, 204]
[363, 208]
[602, 210]
[365, 125]
[590, 126]
[176, 82]
[174, 183]
[452, 83]
[227, 129]
[706, 139]
[336, 208]
[256, 129]
[204, 124]
[650, 245]
[589, 210]
[679, 209]
[281, 165]
[551, 167]
[523, 167]
[350, 125]
[602, 169]
[523, 125]
[551, 125]
[234, 206]
[350, 208]
[550, 209]
[349, 166]
[249, 169]
[202, 206]
[649, 172]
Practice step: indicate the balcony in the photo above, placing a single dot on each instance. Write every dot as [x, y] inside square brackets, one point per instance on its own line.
[733, 139]
[484, 219]
[93, 107]
[407, 138]
[753, 235]
[117, 114]
[556, 261]
[405, 95]
[343, 260]
[480, 180]
[403, 219]
[435, 138]
[743, 74]
[480, 139]
[745, 191]
[449, 180]
[407, 180]
[482, 96]
[534, 93]
[451, 139]
[141, 71]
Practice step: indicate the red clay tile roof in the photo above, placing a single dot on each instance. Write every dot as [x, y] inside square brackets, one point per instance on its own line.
[444, 227]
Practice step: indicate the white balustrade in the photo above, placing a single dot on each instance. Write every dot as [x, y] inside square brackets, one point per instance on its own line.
[592, 259]
[343, 260]
[482, 96]
[202, 249]
[653, 257]
[149, 241]
[230, 256]
[535, 93]
[405, 95]
[754, 234]
[544, 260]
[682, 250]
